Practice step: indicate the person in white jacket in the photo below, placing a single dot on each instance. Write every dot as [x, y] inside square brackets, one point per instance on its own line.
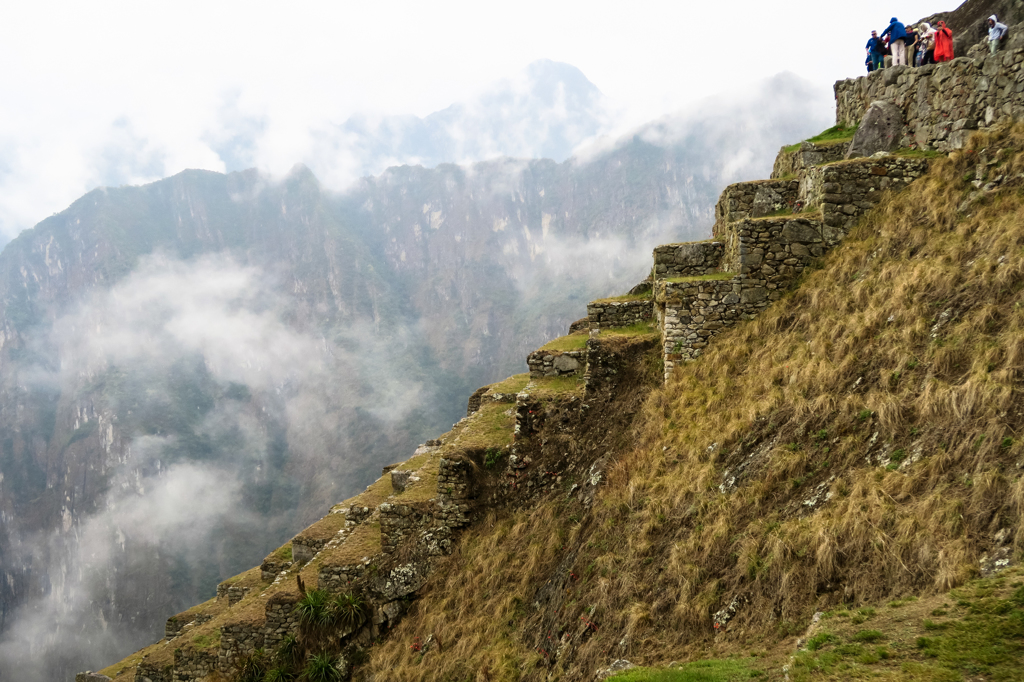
[996, 31]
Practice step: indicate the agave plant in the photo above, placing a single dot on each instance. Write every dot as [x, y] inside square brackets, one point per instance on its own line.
[321, 668]
[349, 610]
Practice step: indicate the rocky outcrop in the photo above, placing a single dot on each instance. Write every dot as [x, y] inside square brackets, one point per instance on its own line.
[880, 131]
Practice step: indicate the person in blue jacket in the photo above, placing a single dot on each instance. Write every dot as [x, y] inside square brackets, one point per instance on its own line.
[897, 42]
[876, 52]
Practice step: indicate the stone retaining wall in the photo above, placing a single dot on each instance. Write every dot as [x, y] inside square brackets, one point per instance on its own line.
[337, 578]
[237, 641]
[453, 492]
[272, 567]
[144, 672]
[232, 594]
[846, 191]
[754, 200]
[789, 164]
[193, 665]
[556, 363]
[473, 404]
[687, 259]
[941, 103]
[280, 619]
[398, 521]
[605, 313]
[304, 549]
[356, 515]
[693, 312]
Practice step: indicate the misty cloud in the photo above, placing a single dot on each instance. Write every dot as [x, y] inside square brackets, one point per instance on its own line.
[227, 313]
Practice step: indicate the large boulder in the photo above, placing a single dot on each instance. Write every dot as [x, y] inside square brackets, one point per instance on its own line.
[880, 130]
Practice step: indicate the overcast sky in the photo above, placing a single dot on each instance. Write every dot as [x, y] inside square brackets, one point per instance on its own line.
[127, 92]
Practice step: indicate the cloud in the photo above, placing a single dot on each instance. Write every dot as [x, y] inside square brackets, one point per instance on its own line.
[231, 428]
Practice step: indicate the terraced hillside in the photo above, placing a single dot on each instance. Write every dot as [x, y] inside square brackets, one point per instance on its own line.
[793, 453]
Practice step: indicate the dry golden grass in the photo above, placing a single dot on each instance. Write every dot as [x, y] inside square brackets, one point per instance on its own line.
[907, 346]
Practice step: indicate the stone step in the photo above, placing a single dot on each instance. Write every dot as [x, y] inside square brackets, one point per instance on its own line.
[687, 259]
[755, 200]
[793, 164]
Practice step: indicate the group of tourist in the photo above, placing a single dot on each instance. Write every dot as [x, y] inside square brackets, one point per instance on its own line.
[909, 46]
[923, 44]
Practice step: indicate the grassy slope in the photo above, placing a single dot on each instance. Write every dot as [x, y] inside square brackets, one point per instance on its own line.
[889, 378]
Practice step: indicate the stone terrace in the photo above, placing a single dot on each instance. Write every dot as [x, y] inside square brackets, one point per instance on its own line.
[941, 103]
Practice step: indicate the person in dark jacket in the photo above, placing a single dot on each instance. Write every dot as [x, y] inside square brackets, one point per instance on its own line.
[876, 51]
[897, 36]
[910, 43]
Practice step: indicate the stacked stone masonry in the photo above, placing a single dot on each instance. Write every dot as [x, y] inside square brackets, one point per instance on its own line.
[193, 665]
[236, 642]
[845, 191]
[792, 164]
[941, 103]
[281, 620]
[272, 567]
[304, 549]
[453, 492]
[765, 255]
[337, 578]
[687, 259]
[604, 314]
[145, 672]
[755, 200]
[553, 363]
[397, 521]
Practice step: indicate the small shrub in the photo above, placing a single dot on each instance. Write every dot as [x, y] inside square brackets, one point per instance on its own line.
[321, 668]
[254, 667]
[349, 609]
[279, 674]
[820, 640]
[492, 457]
[867, 636]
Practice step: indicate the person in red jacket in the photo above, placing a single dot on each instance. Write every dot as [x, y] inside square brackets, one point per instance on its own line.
[943, 43]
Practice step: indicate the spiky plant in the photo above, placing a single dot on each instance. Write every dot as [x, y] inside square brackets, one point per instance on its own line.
[316, 619]
[349, 609]
[321, 668]
[254, 666]
[289, 653]
[279, 674]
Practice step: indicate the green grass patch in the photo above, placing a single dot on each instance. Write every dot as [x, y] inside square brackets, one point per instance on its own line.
[490, 427]
[624, 298]
[284, 552]
[514, 384]
[698, 671]
[713, 277]
[554, 386]
[207, 641]
[833, 135]
[638, 329]
[576, 341]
